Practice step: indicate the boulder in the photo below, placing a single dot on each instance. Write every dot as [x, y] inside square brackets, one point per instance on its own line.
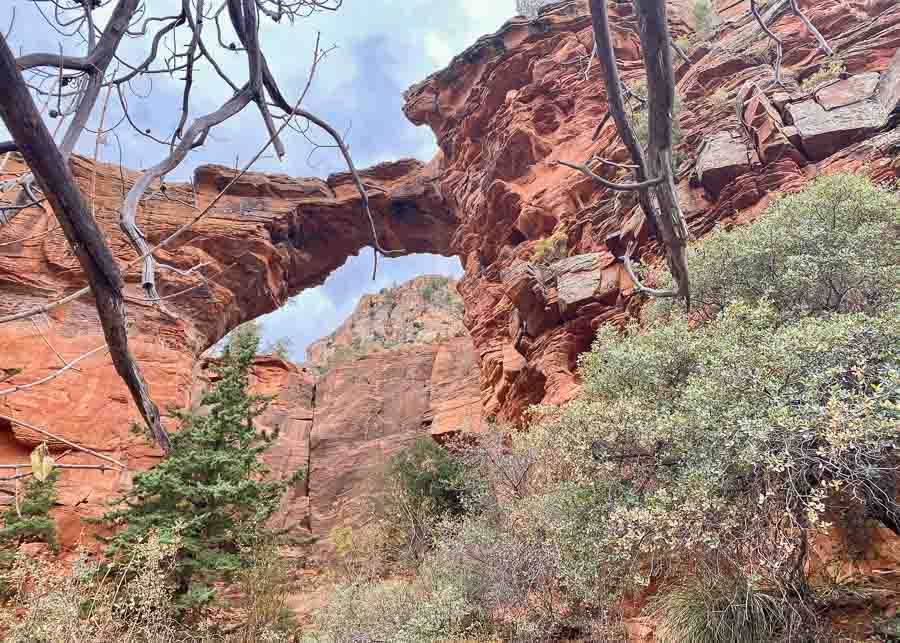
[723, 158]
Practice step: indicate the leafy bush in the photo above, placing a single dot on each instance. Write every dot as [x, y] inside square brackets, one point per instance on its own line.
[831, 248]
[137, 603]
[690, 443]
[28, 519]
[435, 286]
[641, 124]
[550, 249]
[831, 70]
[392, 611]
[211, 492]
[429, 476]
[702, 459]
[89, 604]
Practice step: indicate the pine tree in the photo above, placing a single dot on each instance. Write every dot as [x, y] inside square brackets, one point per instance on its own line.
[211, 494]
[30, 521]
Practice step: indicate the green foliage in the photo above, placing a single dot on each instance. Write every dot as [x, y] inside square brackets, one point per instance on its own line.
[211, 492]
[705, 17]
[436, 287]
[396, 611]
[550, 249]
[246, 332]
[30, 521]
[831, 248]
[689, 442]
[429, 476]
[830, 70]
[702, 457]
[641, 121]
[137, 602]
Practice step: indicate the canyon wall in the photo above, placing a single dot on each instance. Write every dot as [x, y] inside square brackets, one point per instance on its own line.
[269, 238]
[539, 242]
[423, 310]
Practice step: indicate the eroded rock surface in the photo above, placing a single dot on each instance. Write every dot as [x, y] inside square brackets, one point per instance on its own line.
[423, 310]
[511, 106]
[269, 238]
[504, 112]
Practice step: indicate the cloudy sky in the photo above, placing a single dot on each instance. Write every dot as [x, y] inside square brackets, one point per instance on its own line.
[381, 48]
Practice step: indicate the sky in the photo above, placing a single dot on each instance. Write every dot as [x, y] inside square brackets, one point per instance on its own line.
[381, 47]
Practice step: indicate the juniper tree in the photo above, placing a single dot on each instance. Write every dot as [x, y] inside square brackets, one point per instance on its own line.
[213, 492]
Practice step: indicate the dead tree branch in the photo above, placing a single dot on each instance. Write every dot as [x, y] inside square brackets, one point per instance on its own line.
[823, 44]
[49, 166]
[779, 47]
[54, 374]
[655, 183]
[62, 440]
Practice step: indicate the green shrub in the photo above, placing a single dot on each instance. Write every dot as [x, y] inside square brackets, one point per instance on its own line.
[550, 249]
[689, 443]
[831, 248]
[429, 476]
[397, 610]
[641, 124]
[705, 17]
[831, 70]
[28, 520]
[138, 603]
[700, 458]
[210, 494]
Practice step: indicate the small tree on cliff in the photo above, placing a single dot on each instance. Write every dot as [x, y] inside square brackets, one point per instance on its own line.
[211, 494]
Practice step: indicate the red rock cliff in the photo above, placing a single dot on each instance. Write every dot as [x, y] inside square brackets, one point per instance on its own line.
[510, 106]
[532, 234]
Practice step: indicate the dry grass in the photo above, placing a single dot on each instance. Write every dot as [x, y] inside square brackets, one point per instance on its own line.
[136, 603]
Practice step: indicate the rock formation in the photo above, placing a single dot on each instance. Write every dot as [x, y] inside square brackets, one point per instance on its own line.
[511, 106]
[268, 239]
[539, 242]
[423, 310]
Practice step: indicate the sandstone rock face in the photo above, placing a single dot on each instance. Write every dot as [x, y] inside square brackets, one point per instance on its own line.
[344, 427]
[423, 310]
[369, 409]
[723, 158]
[268, 239]
[511, 106]
[503, 112]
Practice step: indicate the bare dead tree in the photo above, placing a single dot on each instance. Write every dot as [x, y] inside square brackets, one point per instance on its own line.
[654, 179]
[652, 168]
[71, 85]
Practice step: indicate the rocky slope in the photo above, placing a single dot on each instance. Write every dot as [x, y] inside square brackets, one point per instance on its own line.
[423, 310]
